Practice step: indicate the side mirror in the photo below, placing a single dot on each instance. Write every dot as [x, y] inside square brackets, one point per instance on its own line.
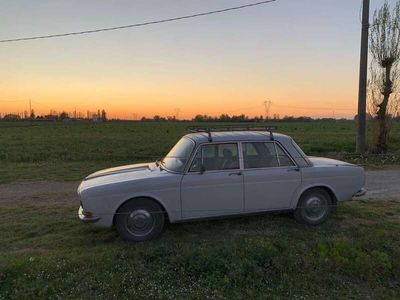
[202, 169]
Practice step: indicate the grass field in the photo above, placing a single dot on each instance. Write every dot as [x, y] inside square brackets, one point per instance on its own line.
[46, 253]
[69, 151]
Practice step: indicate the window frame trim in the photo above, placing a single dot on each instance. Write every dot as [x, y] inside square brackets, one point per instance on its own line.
[276, 143]
[240, 156]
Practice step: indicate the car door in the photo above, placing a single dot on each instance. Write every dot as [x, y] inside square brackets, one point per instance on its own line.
[213, 184]
[270, 176]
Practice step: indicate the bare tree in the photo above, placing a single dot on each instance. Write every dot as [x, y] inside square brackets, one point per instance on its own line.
[384, 70]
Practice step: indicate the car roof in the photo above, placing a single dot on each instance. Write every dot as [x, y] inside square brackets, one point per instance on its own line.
[236, 136]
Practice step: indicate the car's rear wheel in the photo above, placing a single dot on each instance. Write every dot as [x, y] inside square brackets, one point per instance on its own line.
[314, 207]
[139, 220]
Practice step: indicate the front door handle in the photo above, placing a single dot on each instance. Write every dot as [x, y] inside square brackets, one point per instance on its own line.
[294, 170]
[236, 173]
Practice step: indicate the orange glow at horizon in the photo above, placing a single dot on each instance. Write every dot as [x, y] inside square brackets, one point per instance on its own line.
[135, 98]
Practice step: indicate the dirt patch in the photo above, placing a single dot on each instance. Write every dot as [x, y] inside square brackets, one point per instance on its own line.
[350, 221]
[42, 192]
[383, 184]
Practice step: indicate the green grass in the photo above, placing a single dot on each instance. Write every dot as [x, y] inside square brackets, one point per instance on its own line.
[71, 150]
[45, 252]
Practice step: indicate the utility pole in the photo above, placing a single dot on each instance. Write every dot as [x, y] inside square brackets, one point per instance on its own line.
[362, 88]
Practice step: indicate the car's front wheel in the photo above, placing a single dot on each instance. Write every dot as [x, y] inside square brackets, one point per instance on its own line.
[314, 207]
[139, 220]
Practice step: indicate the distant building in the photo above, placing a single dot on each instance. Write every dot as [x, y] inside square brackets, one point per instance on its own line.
[96, 118]
[100, 116]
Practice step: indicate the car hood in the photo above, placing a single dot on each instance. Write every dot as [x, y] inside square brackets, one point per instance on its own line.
[122, 175]
[123, 169]
[322, 161]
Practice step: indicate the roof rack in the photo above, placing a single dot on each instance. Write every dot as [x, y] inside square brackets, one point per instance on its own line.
[221, 128]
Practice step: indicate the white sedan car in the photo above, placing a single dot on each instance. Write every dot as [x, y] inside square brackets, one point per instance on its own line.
[214, 172]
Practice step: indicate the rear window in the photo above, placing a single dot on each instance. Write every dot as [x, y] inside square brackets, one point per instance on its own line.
[264, 155]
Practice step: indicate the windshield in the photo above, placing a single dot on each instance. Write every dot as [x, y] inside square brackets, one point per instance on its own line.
[178, 156]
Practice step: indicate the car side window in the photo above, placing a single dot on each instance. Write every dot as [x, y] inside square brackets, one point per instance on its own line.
[216, 157]
[259, 155]
[264, 155]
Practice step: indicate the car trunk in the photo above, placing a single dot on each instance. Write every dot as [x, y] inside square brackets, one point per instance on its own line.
[322, 161]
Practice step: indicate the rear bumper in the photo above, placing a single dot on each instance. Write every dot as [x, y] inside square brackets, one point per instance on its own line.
[86, 217]
[360, 193]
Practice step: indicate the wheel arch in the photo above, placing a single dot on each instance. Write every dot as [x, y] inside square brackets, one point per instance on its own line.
[142, 197]
[325, 187]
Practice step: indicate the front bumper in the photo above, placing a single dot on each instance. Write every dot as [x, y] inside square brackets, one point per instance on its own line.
[360, 193]
[86, 217]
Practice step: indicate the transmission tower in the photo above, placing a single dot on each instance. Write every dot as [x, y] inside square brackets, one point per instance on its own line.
[267, 105]
[177, 111]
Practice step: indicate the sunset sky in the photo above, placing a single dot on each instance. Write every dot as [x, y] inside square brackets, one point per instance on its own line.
[302, 55]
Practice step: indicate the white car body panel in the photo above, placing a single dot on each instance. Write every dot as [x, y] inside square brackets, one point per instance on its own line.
[274, 193]
[214, 193]
[105, 194]
[341, 178]
[188, 195]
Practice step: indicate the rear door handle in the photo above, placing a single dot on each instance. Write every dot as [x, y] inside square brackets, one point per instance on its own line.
[294, 170]
[236, 173]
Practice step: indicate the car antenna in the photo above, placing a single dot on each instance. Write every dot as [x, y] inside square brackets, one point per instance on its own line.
[209, 134]
[271, 135]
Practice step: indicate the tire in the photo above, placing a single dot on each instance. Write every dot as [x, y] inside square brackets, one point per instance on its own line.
[139, 220]
[314, 207]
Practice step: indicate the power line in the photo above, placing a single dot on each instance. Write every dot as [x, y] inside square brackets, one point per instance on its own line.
[261, 106]
[314, 108]
[137, 24]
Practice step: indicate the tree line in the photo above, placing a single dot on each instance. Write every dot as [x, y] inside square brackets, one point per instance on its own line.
[100, 115]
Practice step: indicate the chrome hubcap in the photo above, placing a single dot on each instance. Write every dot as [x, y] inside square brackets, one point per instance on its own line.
[140, 222]
[315, 207]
